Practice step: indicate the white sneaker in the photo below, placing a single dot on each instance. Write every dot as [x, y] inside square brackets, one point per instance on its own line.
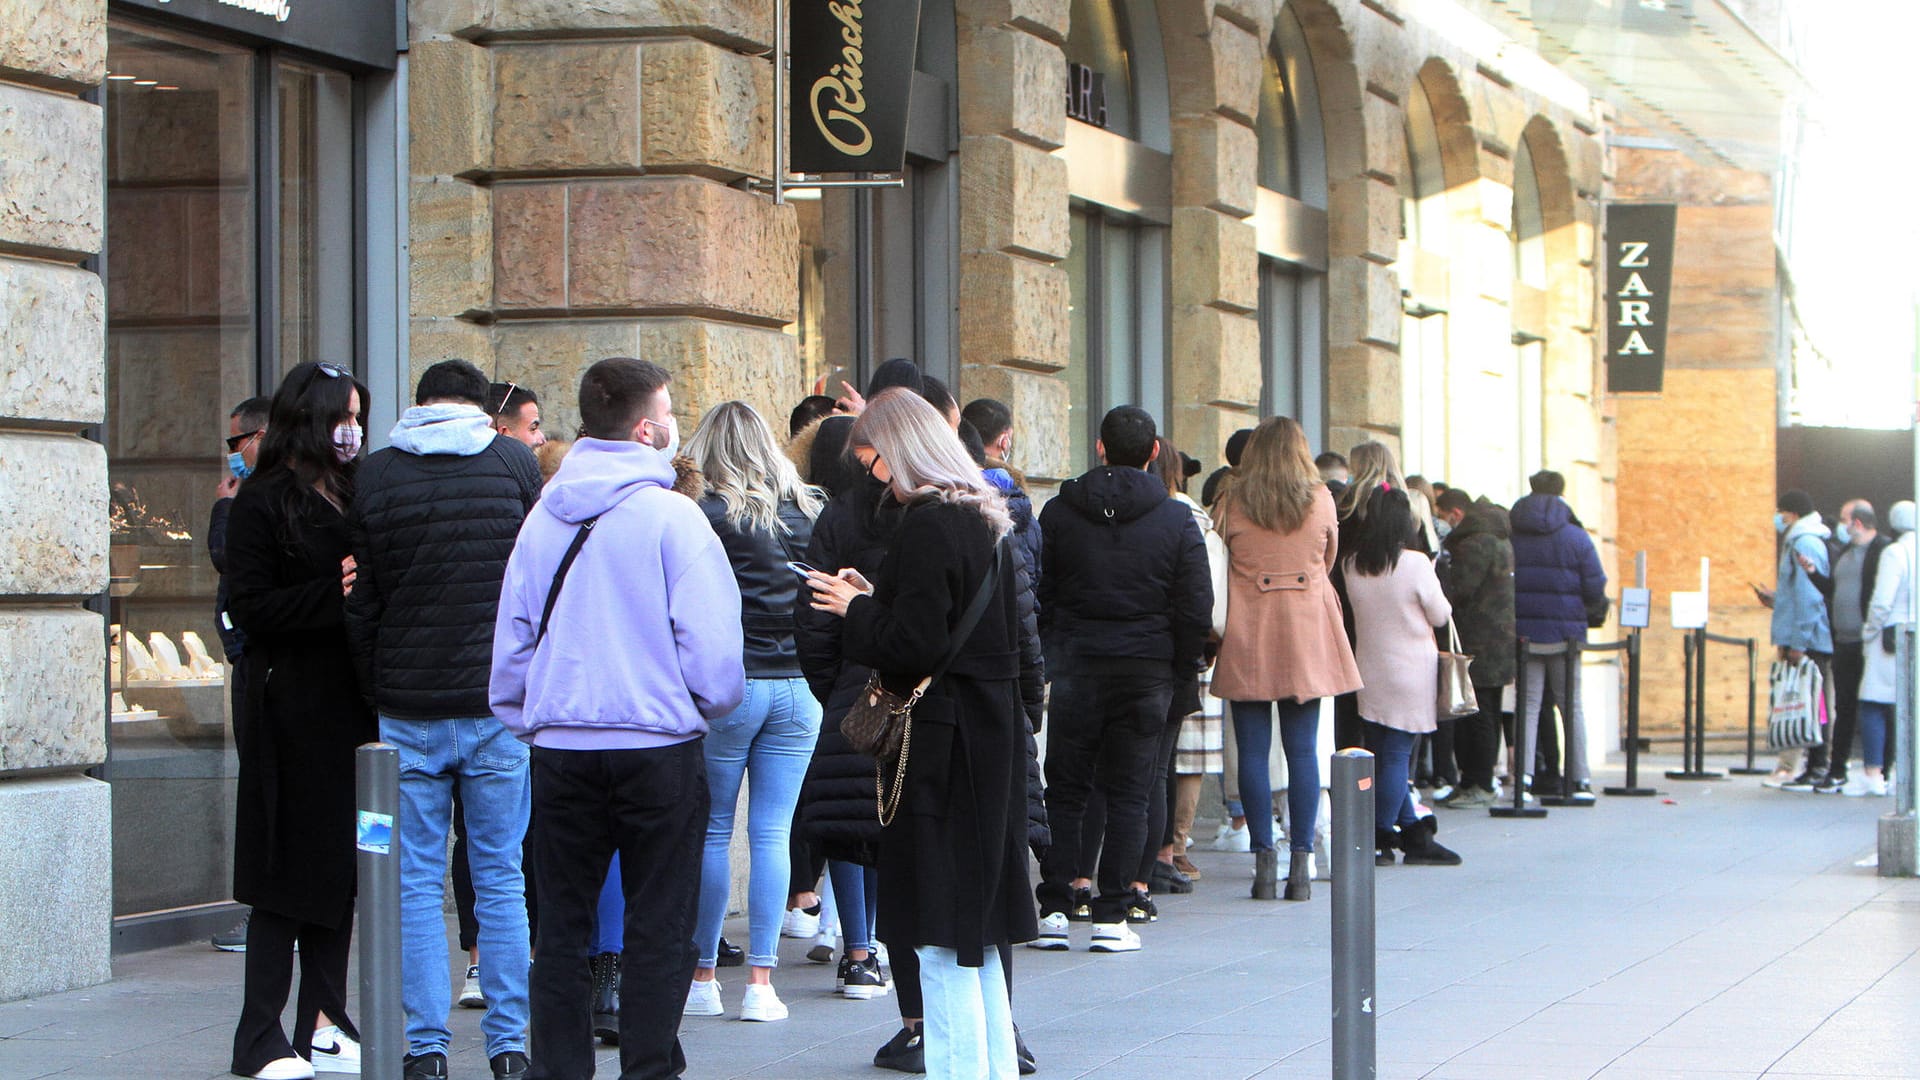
[286, 1068]
[798, 924]
[1232, 839]
[1053, 934]
[703, 999]
[333, 1052]
[1860, 787]
[824, 945]
[470, 995]
[761, 1004]
[1441, 793]
[1114, 937]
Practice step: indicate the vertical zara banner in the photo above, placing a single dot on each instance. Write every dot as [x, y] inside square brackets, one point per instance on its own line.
[1639, 281]
[851, 68]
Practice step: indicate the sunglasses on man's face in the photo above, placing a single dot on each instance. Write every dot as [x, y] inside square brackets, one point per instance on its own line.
[235, 442]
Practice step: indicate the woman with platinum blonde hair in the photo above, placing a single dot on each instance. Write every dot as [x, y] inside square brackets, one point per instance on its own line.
[953, 861]
[763, 514]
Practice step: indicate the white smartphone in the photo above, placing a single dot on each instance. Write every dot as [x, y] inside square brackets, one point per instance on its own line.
[801, 568]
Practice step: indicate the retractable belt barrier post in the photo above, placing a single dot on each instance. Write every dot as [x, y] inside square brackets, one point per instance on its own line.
[1693, 725]
[376, 775]
[1353, 931]
[1753, 703]
[1521, 745]
[1632, 786]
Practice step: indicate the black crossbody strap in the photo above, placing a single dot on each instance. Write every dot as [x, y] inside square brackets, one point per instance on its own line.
[560, 576]
[989, 588]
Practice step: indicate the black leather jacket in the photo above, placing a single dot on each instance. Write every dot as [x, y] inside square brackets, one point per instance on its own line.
[768, 589]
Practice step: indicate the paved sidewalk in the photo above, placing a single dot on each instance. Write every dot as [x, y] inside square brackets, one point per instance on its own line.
[1726, 934]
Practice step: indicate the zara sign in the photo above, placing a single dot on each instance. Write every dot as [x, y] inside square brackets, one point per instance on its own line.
[1639, 281]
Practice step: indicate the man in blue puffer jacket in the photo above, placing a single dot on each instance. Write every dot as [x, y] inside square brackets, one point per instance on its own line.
[1559, 590]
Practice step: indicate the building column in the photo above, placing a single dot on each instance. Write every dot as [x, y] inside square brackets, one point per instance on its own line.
[56, 866]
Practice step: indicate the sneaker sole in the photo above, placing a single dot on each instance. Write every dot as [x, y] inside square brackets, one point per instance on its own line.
[1114, 947]
[862, 993]
[1050, 944]
[230, 948]
[768, 1018]
[473, 1003]
[691, 1011]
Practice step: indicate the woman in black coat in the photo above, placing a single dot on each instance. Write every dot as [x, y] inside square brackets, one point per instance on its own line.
[288, 567]
[953, 860]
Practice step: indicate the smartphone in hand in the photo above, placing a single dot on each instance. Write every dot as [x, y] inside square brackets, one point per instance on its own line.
[802, 569]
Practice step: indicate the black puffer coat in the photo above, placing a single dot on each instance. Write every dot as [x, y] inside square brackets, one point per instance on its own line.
[431, 534]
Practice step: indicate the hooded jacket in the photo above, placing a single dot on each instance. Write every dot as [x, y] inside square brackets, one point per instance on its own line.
[1124, 577]
[1799, 611]
[645, 644]
[433, 520]
[1476, 571]
[1556, 571]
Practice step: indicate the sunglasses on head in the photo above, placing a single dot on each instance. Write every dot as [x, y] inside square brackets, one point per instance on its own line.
[235, 442]
[333, 371]
[512, 389]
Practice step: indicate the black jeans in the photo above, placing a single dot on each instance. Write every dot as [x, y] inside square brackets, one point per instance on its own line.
[1849, 664]
[463, 895]
[258, 1038]
[651, 807]
[1476, 739]
[1093, 826]
[1106, 730]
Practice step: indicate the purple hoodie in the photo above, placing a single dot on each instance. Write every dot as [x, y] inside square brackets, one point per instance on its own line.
[645, 644]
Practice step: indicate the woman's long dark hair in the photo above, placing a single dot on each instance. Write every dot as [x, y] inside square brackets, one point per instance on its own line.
[1384, 531]
[312, 399]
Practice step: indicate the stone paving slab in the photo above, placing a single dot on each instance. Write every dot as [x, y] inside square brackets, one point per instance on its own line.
[1721, 933]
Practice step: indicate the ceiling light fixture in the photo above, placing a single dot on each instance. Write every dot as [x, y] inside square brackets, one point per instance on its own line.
[122, 78]
[146, 82]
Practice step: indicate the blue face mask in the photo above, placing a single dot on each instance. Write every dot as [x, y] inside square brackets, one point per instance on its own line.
[1779, 523]
[1843, 534]
[237, 465]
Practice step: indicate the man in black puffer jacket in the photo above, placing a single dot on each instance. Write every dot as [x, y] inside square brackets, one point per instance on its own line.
[434, 519]
[1126, 603]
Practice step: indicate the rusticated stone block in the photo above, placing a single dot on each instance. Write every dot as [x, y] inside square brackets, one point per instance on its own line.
[713, 362]
[1016, 311]
[566, 107]
[530, 245]
[450, 108]
[1216, 357]
[550, 355]
[1216, 260]
[1013, 198]
[56, 884]
[743, 24]
[53, 515]
[433, 339]
[1363, 389]
[1239, 67]
[429, 20]
[1385, 131]
[705, 109]
[53, 339]
[1046, 19]
[53, 664]
[681, 244]
[1203, 430]
[1018, 83]
[55, 41]
[50, 188]
[1373, 234]
[451, 222]
[1219, 164]
[1363, 302]
[1039, 404]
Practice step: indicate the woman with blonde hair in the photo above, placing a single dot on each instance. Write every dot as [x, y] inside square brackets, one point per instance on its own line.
[763, 514]
[1284, 648]
[953, 860]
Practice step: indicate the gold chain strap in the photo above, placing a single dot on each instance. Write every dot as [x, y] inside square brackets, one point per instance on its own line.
[886, 808]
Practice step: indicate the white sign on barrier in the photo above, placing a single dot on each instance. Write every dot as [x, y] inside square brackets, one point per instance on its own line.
[1689, 610]
[1636, 608]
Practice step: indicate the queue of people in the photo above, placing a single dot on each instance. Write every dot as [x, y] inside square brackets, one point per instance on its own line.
[871, 629]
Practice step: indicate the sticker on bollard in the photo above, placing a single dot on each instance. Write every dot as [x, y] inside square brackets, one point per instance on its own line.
[373, 833]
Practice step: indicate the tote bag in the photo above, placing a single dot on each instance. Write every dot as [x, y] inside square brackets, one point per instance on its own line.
[1798, 705]
[1456, 688]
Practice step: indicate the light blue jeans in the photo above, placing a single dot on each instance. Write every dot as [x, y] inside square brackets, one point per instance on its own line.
[490, 767]
[770, 738]
[969, 1021]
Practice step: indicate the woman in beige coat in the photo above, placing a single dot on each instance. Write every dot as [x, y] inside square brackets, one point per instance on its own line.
[1284, 647]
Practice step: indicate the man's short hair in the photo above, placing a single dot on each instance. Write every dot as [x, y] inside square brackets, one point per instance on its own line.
[1454, 499]
[506, 398]
[938, 396]
[1795, 502]
[615, 393]
[1127, 433]
[1237, 445]
[1864, 516]
[252, 413]
[452, 380]
[811, 408]
[1331, 460]
[989, 417]
[1547, 482]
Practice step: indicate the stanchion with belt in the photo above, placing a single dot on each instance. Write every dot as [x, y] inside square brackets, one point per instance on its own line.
[1522, 746]
[1753, 715]
[1632, 786]
[1693, 725]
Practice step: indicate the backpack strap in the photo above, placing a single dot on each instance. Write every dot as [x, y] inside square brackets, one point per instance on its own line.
[560, 576]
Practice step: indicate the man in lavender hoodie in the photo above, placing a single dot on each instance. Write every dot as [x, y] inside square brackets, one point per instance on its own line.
[642, 647]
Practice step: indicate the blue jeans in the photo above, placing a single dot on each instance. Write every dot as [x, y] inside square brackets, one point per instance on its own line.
[855, 889]
[1876, 718]
[489, 766]
[1393, 754]
[969, 1021]
[770, 736]
[1299, 737]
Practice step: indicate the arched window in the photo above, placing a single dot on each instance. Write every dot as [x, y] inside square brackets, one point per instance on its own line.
[1424, 242]
[1292, 224]
[1120, 178]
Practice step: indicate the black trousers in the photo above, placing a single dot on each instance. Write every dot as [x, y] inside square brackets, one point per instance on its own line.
[803, 866]
[259, 1038]
[1093, 826]
[463, 897]
[651, 807]
[1849, 664]
[1106, 730]
[1476, 739]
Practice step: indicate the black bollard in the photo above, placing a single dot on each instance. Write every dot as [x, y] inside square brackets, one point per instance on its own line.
[1354, 1008]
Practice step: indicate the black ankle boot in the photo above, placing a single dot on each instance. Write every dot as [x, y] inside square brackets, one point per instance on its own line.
[1266, 871]
[1300, 876]
[1421, 848]
[1384, 841]
[606, 996]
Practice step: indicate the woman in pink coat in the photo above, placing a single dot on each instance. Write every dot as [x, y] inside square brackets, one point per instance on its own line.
[1397, 602]
[1284, 647]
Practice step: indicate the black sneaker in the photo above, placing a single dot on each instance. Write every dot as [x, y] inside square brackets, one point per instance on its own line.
[1140, 908]
[1832, 784]
[1582, 793]
[1027, 1065]
[1082, 910]
[903, 1053]
[860, 979]
[430, 1066]
[1806, 781]
[730, 955]
[509, 1065]
[233, 938]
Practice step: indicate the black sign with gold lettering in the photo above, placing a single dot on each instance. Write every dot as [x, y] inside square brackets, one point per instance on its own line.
[1639, 280]
[851, 71]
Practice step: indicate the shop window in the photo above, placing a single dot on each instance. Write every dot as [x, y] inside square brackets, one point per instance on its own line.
[1423, 328]
[1117, 294]
[1292, 145]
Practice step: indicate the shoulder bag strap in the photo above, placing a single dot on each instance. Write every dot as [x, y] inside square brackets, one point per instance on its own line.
[560, 576]
[963, 630]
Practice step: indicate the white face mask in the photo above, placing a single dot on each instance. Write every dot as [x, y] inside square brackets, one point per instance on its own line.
[1443, 527]
[672, 449]
[346, 441]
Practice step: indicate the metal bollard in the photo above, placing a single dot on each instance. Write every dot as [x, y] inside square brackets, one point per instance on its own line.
[1353, 946]
[376, 777]
[1899, 832]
